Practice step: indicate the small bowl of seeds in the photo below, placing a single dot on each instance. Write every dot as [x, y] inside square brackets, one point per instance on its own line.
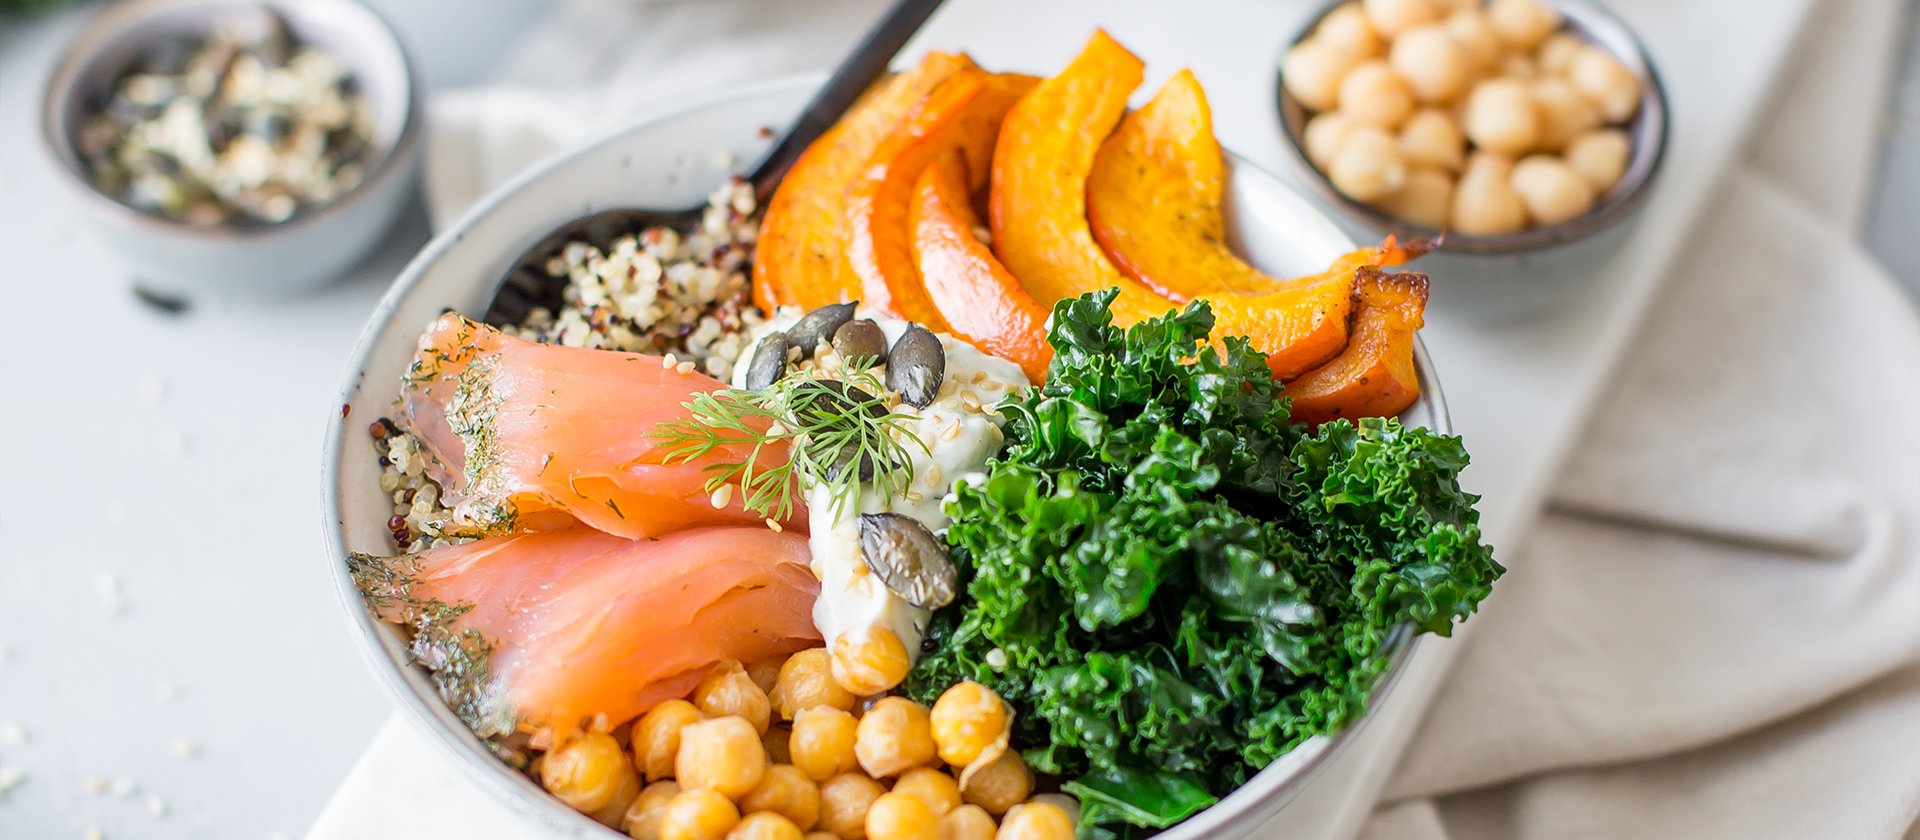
[245, 147]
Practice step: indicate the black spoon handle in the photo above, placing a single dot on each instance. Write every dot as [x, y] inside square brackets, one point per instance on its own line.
[861, 68]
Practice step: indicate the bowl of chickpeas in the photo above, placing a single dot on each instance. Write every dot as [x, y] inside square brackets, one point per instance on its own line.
[1510, 126]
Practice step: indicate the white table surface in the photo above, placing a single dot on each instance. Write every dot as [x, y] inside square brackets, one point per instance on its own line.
[212, 551]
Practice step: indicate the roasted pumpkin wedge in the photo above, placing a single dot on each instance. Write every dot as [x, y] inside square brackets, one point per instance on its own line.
[798, 259]
[979, 299]
[963, 114]
[1374, 376]
[1040, 166]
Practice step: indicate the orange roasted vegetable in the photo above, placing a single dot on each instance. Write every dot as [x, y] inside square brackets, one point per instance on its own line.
[963, 114]
[802, 236]
[981, 301]
[1303, 322]
[1040, 168]
[1374, 376]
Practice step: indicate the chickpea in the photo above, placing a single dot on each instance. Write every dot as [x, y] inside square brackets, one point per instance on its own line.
[1563, 113]
[1551, 190]
[968, 718]
[614, 813]
[1431, 137]
[788, 792]
[822, 835]
[1370, 166]
[1324, 135]
[1476, 37]
[1555, 54]
[656, 738]
[1312, 72]
[698, 815]
[1608, 83]
[1518, 66]
[729, 691]
[935, 788]
[588, 773]
[871, 665]
[1036, 821]
[822, 742]
[1373, 93]
[898, 816]
[1600, 156]
[1433, 64]
[1522, 24]
[1426, 200]
[805, 681]
[1062, 801]
[1484, 203]
[765, 672]
[967, 822]
[895, 735]
[723, 754]
[844, 800]
[765, 826]
[1347, 28]
[643, 816]
[1501, 117]
[999, 785]
[1391, 17]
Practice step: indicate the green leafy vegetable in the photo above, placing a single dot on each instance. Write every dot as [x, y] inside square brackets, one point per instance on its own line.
[1182, 584]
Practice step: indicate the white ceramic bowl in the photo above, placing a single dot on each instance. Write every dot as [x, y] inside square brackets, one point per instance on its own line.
[311, 248]
[664, 160]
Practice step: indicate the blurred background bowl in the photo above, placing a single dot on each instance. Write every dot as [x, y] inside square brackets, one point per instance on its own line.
[317, 244]
[1513, 275]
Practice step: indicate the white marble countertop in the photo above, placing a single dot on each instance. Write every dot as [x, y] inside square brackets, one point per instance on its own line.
[157, 525]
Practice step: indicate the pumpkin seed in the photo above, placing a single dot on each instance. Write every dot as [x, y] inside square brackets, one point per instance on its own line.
[908, 559]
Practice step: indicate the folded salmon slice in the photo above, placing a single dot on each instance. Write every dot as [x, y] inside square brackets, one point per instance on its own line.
[545, 632]
[527, 436]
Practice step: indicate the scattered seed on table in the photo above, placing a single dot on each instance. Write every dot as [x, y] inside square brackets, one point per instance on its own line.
[12, 734]
[122, 788]
[94, 784]
[152, 388]
[156, 806]
[185, 748]
[10, 778]
[173, 443]
[166, 692]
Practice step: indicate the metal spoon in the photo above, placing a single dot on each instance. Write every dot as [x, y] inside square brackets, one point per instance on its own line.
[526, 283]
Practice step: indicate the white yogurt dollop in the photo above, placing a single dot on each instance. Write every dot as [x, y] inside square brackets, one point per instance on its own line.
[960, 434]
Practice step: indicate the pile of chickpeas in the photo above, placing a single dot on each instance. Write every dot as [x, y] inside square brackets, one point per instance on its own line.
[1456, 116]
[779, 750]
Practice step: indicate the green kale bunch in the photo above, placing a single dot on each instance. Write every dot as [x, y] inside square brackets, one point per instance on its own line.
[1181, 584]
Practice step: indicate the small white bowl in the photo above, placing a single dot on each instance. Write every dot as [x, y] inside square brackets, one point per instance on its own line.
[302, 253]
[667, 159]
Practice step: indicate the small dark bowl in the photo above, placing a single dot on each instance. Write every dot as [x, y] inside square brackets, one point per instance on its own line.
[1647, 133]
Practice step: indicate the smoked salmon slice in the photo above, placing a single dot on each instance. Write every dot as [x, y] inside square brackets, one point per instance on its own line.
[528, 436]
[544, 632]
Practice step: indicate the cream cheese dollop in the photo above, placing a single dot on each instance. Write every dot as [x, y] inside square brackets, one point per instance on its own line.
[960, 433]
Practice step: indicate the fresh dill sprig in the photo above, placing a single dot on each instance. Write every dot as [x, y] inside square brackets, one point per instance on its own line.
[834, 430]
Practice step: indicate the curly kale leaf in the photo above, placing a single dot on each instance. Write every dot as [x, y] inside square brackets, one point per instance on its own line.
[1177, 583]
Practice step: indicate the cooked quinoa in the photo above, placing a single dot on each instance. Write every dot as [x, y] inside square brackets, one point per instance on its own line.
[659, 291]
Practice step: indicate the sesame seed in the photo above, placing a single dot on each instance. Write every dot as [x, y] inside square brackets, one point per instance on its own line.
[968, 399]
[950, 432]
[668, 361]
[723, 496]
[94, 784]
[166, 692]
[12, 734]
[152, 388]
[684, 368]
[774, 526]
[996, 659]
[933, 474]
[173, 443]
[156, 806]
[914, 496]
[93, 834]
[10, 778]
[121, 788]
[185, 748]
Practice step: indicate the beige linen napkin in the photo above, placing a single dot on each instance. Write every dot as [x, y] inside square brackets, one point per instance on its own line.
[1715, 631]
